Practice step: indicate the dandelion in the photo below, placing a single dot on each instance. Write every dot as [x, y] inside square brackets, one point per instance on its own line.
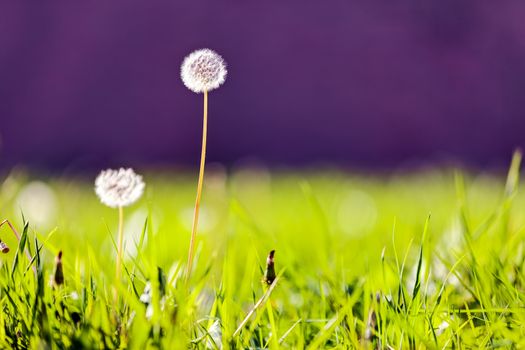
[201, 71]
[118, 189]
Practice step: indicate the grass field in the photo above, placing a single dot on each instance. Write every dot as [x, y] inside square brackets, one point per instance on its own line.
[424, 260]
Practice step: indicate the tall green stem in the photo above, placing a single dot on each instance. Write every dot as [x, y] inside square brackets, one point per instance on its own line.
[199, 190]
[120, 241]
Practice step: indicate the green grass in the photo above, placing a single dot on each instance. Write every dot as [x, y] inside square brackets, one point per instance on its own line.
[424, 260]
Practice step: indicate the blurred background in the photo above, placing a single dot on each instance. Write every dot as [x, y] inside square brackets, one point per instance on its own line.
[372, 85]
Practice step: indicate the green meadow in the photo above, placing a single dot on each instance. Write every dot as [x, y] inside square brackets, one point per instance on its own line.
[429, 259]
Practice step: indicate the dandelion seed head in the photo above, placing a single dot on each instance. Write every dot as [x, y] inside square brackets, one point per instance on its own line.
[119, 188]
[203, 70]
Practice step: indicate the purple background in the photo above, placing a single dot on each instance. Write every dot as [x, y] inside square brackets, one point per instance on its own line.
[359, 83]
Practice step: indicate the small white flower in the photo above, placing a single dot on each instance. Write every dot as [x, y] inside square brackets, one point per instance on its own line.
[119, 188]
[145, 297]
[203, 70]
[150, 310]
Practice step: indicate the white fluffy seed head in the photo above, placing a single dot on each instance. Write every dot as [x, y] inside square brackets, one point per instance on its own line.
[119, 188]
[203, 70]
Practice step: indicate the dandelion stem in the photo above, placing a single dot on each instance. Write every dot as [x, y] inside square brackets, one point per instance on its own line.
[199, 190]
[120, 241]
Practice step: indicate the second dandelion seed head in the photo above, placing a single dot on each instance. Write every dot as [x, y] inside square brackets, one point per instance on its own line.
[203, 70]
[119, 188]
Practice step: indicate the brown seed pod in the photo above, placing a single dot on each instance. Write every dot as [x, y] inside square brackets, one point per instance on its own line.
[269, 274]
[58, 277]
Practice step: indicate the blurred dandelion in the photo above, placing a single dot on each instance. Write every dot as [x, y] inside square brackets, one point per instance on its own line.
[357, 213]
[117, 189]
[38, 202]
[201, 71]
